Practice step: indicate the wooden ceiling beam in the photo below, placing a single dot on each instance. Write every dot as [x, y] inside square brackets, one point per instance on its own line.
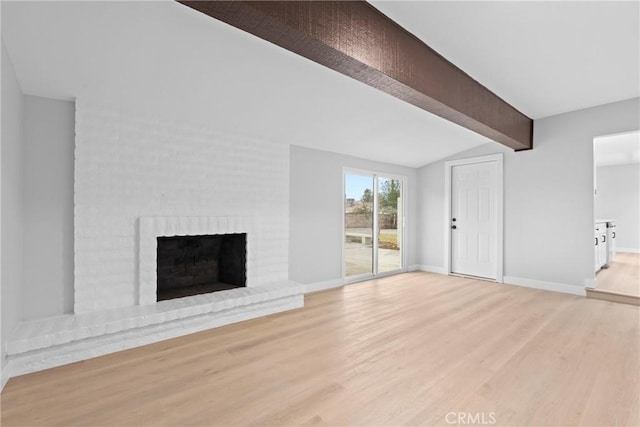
[355, 39]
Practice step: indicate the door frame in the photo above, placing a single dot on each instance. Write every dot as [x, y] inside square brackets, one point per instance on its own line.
[448, 166]
[403, 249]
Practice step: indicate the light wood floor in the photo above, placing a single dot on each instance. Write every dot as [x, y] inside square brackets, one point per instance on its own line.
[623, 275]
[403, 350]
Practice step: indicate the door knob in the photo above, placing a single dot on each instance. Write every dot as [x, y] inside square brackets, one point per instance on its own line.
[453, 227]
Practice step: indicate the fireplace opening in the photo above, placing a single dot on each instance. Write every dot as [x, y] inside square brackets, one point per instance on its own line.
[194, 265]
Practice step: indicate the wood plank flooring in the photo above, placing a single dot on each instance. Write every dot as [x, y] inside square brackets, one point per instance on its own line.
[412, 349]
[622, 276]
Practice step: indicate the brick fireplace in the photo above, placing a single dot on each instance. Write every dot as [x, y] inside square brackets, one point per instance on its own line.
[201, 238]
[139, 179]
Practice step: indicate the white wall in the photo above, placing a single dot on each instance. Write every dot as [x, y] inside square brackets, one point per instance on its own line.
[619, 198]
[316, 240]
[2, 103]
[549, 207]
[131, 165]
[11, 203]
[48, 207]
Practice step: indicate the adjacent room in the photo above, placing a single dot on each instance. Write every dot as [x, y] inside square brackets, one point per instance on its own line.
[617, 218]
[225, 213]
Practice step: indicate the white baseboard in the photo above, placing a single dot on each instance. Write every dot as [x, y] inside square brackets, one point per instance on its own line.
[628, 250]
[547, 286]
[321, 286]
[432, 269]
[4, 377]
[337, 283]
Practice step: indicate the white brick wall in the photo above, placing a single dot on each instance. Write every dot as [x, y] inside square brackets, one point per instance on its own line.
[129, 166]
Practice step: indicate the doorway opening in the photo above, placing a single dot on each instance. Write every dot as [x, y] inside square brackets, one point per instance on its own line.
[616, 242]
[373, 225]
[474, 217]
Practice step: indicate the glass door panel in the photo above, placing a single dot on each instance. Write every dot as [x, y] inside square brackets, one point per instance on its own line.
[390, 227]
[358, 225]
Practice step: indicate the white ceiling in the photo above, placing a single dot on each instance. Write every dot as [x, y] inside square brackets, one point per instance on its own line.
[621, 149]
[163, 58]
[542, 57]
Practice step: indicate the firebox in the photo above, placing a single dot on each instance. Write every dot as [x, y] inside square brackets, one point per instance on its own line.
[194, 265]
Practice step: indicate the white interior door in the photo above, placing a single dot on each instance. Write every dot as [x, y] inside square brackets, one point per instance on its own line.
[474, 219]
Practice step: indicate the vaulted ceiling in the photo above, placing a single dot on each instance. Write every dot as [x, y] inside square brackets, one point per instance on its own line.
[543, 57]
[165, 59]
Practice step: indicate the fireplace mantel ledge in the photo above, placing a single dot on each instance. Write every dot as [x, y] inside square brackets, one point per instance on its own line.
[59, 330]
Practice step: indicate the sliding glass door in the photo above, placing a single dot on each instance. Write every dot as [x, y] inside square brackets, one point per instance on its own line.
[373, 225]
[358, 225]
[389, 224]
